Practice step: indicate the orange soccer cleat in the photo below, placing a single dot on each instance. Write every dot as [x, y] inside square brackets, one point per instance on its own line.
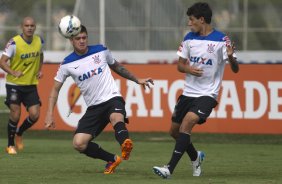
[110, 167]
[126, 149]
[11, 150]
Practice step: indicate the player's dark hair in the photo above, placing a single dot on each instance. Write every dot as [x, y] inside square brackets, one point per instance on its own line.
[200, 10]
[83, 29]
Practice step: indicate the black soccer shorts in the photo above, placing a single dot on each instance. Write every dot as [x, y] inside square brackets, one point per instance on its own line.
[202, 106]
[97, 117]
[27, 95]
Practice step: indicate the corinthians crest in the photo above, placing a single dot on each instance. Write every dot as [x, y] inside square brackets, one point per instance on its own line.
[96, 59]
[211, 48]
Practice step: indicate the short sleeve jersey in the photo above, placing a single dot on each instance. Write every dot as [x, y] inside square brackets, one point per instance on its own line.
[208, 53]
[25, 57]
[91, 73]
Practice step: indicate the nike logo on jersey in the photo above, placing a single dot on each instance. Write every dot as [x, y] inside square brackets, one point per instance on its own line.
[26, 64]
[76, 67]
[90, 74]
[199, 111]
[116, 109]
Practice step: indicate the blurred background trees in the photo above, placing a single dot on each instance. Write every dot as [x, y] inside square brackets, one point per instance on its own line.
[146, 24]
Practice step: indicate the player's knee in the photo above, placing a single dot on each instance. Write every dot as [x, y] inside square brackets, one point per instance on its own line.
[80, 146]
[33, 120]
[15, 116]
[34, 117]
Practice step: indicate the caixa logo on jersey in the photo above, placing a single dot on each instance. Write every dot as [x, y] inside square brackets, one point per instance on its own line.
[201, 60]
[91, 73]
[29, 55]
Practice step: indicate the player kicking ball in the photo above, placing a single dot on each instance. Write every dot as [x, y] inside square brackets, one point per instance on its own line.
[90, 67]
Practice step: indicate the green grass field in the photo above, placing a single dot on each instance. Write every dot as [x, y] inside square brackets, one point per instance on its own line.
[3, 107]
[54, 161]
[48, 158]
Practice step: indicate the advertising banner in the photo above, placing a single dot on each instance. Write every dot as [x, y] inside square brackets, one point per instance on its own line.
[249, 102]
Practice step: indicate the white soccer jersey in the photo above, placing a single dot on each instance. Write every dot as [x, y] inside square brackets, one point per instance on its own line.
[91, 73]
[208, 53]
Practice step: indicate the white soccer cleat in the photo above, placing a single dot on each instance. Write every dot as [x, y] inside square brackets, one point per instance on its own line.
[162, 171]
[196, 165]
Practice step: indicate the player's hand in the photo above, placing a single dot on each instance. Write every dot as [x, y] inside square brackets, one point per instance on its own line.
[230, 48]
[146, 82]
[196, 71]
[17, 74]
[49, 122]
[39, 75]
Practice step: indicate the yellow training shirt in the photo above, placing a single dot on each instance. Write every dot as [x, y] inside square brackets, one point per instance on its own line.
[27, 60]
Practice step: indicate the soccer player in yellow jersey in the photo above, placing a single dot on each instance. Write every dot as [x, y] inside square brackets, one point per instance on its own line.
[25, 55]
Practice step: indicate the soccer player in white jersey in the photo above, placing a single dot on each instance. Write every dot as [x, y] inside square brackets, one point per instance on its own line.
[90, 67]
[202, 57]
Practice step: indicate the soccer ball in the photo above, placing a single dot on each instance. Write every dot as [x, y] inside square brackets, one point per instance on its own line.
[69, 26]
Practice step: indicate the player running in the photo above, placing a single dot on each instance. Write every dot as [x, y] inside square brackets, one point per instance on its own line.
[202, 57]
[22, 59]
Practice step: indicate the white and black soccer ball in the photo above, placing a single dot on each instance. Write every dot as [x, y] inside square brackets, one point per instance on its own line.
[69, 26]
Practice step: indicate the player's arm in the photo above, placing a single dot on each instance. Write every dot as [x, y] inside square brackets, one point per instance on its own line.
[184, 67]
[122, 71]
[49, 119]
[232, 60]
[4, 65]
[39, 73]
[233, 64]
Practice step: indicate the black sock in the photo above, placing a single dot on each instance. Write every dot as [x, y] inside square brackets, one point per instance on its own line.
[93, 150]
[12, 127]
[121, 133]
[180, 147]
[25, 125]
[192, 152]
